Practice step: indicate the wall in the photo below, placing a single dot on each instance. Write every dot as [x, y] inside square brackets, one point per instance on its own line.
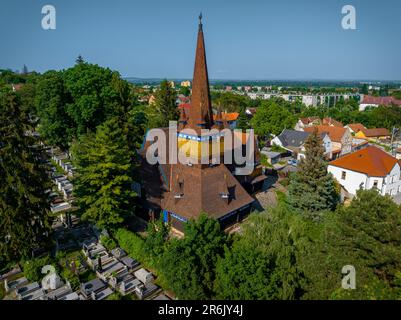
[352, 180]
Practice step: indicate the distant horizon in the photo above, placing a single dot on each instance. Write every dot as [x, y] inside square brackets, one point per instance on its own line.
[271, 79]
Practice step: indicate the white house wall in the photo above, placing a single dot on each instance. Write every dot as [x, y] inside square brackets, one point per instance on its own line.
[391, 184]
[353, 180]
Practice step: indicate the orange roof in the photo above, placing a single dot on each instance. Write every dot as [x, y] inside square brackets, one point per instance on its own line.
[232, 116]
[335, 133]
[356, 126]
[310, 120]
[332, 122]
[377, 132]
[371, 160]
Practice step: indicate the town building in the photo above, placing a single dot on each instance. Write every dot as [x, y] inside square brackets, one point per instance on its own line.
[229, 117]
[368, 168]
[341, 138]
[332, 122]
[303, 123]
[185, 83]
[371, 101]
[373, 134]
[355, 127]
[293, 141]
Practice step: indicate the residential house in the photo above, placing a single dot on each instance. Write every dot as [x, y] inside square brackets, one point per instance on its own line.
[229, 117]
[358, 144]
[307, 122]
[368, 168]
[341, 139]
[272, 157]
[354, 128]
[293, 141]
[185, 83]
[374, 134]
[332, 122]
[370, 101]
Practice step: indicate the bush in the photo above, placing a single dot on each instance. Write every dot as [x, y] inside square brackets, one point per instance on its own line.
[114, 296]
[108, 242]
[71, 277]
[33, 268]
[131, 243]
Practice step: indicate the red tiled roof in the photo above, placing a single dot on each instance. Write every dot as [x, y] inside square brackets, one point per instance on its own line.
[376, 132]
[332, 122]
[335, 133]
[231, 116]
[309, 120]
[386, 101]
[370, 160]
[356, 126]
[184, 105]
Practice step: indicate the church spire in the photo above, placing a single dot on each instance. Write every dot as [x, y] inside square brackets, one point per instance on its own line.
[200, 115]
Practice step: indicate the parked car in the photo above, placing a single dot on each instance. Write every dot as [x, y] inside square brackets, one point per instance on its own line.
[292, 162]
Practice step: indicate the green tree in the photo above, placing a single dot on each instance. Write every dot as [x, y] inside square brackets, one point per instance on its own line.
[164, 109]
[365, 89]
[242, 121]
[95, 97]
[313, 190]
[366, 235]
[271, 118]
[155, 242]
[56, 126]
[185, 91]
[188, 265]
[104, 168]
[262, 263]
[24, 210]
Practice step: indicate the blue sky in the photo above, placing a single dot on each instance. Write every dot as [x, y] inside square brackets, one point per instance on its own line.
[265, 39]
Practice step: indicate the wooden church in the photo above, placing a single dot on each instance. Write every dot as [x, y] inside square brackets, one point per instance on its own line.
[182, 191]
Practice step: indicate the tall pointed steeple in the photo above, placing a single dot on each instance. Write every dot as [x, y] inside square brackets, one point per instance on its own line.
[201, 115]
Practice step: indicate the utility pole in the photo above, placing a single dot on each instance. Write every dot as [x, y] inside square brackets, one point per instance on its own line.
[393, 134]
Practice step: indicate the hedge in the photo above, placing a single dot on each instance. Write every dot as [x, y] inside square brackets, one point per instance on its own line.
[131, 243]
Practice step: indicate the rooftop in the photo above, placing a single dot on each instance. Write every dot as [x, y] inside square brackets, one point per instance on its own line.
[371, 161]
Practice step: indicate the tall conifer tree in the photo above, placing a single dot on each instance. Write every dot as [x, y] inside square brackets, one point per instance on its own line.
[24, 215]
[103, 183]
[312, 189]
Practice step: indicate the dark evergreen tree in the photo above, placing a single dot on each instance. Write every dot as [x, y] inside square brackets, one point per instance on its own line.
[104, 171]
[242, 121]
[79, 59]
[164, 108]
[24, 214]
[24, 70]
[313, 190]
